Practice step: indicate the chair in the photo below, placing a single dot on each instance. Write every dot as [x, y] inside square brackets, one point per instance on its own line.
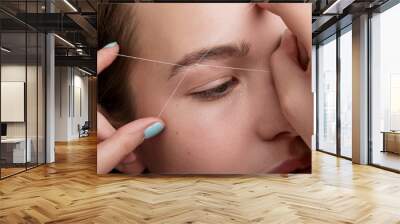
[84, 130]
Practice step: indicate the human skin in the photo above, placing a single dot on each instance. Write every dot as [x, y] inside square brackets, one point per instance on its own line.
[242, 130]
[292, 71]
[123, 141]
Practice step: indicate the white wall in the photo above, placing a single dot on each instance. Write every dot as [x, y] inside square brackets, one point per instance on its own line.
[12, 73]
[80, 102]
[61, 103]
[70, 84]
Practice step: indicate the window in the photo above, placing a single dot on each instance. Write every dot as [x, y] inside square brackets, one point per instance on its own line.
[327, 95]
[314, 90]
[346, 93]
[385, 89]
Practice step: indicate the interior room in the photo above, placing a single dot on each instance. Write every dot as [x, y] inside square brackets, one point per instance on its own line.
[335, 95]
[46, 81]
[49, 128]
[22, 102]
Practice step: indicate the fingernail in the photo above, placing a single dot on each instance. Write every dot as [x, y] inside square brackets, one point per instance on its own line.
[110, 45]
[153, 130]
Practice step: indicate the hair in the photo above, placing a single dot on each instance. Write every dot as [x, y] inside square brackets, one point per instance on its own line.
[112, 85]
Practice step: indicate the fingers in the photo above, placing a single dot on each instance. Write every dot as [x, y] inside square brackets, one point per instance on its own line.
[297, 17]
[114, 149]
[105, 129]
[293, 86]
[131, 165]
[106, 56]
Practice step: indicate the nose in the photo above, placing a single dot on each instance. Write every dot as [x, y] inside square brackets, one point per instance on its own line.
[270, 122]
[274, 127]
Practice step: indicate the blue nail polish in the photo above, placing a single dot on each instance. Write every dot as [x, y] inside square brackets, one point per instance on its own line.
[153, 130]
[110, 45]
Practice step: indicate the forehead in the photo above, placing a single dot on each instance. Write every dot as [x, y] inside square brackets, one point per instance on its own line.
[168, 31]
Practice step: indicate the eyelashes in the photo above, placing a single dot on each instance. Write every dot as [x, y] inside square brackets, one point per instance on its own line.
[216, 92]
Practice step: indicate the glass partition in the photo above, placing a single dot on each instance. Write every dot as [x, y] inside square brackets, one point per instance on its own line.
[32, 101]
[14, 151]
[327, 95]
[22, 67]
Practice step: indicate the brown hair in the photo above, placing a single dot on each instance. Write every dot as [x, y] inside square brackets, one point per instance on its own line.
[116, 23]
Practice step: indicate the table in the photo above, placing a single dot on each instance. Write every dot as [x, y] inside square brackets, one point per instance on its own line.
[13, 150]
[391, 141]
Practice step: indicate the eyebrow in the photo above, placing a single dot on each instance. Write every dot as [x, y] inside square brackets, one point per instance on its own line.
[212, 53]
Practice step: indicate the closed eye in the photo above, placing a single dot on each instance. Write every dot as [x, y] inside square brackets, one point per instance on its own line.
[217, 90]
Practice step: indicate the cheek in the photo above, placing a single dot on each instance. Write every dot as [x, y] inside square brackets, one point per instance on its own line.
[220, 136]
[207, 138]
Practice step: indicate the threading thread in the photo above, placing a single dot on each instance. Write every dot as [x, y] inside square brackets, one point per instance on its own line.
[185, 73]
[196, 64]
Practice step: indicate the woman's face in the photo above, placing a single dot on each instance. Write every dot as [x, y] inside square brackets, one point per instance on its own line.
[218, 120]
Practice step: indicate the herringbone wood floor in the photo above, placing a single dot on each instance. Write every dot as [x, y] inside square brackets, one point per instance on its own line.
[69, 191]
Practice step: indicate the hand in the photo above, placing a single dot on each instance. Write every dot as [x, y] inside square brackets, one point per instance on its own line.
[291, 66]
[116, 148]
[297, 17]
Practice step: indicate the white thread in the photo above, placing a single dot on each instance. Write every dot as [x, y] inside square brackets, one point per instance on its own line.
[197, 64]
[184, 76]
[172, 94]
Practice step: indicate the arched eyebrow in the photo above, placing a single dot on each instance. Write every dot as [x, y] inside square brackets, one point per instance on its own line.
[213, 53]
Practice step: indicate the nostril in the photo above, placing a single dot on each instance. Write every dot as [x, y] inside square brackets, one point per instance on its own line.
[280, 136]
[299, 148]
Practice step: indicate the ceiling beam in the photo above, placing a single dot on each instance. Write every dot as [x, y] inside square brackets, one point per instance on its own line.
[81, 61]
[89, 30]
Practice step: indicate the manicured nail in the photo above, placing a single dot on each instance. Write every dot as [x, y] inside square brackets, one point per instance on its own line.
[110, 45]
[153, 130]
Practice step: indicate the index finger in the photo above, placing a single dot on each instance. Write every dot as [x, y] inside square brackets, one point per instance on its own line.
[106, 56]
[297, 17]
[125, 140]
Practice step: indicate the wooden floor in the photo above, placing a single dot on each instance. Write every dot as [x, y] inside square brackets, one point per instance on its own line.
[387, 159]
[10, 171]
[69, 191]
[5, 172]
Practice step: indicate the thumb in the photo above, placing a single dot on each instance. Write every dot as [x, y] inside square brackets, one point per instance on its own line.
[111, 151]
[293, 86]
